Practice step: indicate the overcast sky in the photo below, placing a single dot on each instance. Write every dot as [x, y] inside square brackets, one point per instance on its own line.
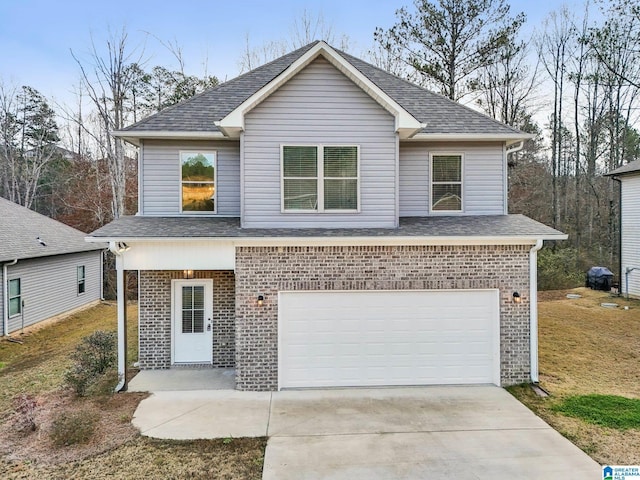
[37, 36]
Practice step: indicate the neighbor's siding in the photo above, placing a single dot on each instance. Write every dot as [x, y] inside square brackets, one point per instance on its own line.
[49, 285]
[319, 106]
[483, 177]
[160, 184]
[631, 233]
[1, 302]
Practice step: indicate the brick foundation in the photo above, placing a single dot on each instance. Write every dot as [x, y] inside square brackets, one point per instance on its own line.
[267, 270]
[155, 317]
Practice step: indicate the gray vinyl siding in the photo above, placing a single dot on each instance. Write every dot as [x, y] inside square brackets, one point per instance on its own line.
[319, 106]
[1, 301]
[160, 183]
[631, 232]
[482, 184]
[49, 285]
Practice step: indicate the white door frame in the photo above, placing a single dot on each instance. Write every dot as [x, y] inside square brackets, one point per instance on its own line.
[208, 318]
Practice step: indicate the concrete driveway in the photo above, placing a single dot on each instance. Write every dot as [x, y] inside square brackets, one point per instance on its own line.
[391, 433]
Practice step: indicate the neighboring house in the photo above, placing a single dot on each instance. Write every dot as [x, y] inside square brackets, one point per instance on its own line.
[47, 268]
[629, 178]
[318, 222]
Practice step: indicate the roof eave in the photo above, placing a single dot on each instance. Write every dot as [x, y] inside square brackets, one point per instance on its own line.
[135, 136]
[404, 239]
[509, 138]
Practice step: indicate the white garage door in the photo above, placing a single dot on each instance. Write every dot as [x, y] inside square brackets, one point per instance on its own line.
[368, 338]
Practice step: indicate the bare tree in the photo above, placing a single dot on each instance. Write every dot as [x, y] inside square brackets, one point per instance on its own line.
[108, 79]
[306, 28]
[555, 46]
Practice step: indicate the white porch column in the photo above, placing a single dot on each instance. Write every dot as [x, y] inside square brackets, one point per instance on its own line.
[122, 324]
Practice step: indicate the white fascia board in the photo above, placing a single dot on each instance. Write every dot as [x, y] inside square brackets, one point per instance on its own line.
[134, 137]
[509, 138]
[406, 124]
[343, 241]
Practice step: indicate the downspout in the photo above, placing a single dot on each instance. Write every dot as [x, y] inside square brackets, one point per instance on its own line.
[620, 239]
[5, 296]
[533, 309]
[118, 249]
[102, 275]
[627, 271]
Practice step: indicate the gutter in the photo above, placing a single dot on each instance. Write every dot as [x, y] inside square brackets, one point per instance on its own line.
[5, 296]
[519, 146]
[118, 249]
[533, 309]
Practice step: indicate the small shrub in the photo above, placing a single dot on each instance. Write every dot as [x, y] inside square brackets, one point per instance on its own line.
[25, 407]
[73, 428]
[93, 357]
[103, 385]
[557, 269]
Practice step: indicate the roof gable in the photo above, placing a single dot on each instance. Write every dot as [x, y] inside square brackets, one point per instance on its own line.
[219, 112]
[406, 124]
[27, 234]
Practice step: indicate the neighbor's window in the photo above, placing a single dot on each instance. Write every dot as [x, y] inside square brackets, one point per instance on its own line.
[329, 185]
[81, 280]
[446, 183]
[15, 297]
[198, 181]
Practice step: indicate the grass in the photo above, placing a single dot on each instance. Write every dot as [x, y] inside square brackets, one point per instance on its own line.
[588, 352]
[115, 450]
[607, 410]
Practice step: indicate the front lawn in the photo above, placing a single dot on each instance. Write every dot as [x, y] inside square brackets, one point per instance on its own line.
[34, 372]
[590, 364]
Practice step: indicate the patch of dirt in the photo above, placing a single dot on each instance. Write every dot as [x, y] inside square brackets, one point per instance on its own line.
[113, 428]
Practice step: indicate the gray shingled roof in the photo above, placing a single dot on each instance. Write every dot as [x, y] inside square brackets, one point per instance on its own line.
[21, 227]
[629, 168]
[442, 116]
[219, 227]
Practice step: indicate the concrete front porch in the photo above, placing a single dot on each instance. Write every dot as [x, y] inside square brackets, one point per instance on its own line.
[183, 379]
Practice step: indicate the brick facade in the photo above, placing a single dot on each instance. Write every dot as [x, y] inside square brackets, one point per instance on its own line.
[155, 317]
[267, 270]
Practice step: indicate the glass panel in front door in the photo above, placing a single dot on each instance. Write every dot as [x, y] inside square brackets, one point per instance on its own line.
[193, 309]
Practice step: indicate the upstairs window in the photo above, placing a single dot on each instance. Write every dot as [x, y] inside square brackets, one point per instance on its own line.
[320, 178]
[81, 280]
[446, 183]
[198, 185]
[15, 297]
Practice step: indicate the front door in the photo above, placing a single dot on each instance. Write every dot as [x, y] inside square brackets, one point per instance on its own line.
[192, 328]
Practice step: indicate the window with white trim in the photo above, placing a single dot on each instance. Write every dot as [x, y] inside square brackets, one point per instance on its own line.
[81, 280]
[320, 178]
[446, 182]
[198, 182]
[15, 297]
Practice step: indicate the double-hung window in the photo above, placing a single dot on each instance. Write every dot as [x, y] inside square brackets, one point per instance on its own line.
[446, 182]
[15, 297]
[198, 182]
[320, 178]
[81, 280]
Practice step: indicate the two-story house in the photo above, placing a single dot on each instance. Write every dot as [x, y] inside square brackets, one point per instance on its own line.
[318, 222]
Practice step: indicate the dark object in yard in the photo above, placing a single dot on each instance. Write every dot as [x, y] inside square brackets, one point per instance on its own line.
[599, 278]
